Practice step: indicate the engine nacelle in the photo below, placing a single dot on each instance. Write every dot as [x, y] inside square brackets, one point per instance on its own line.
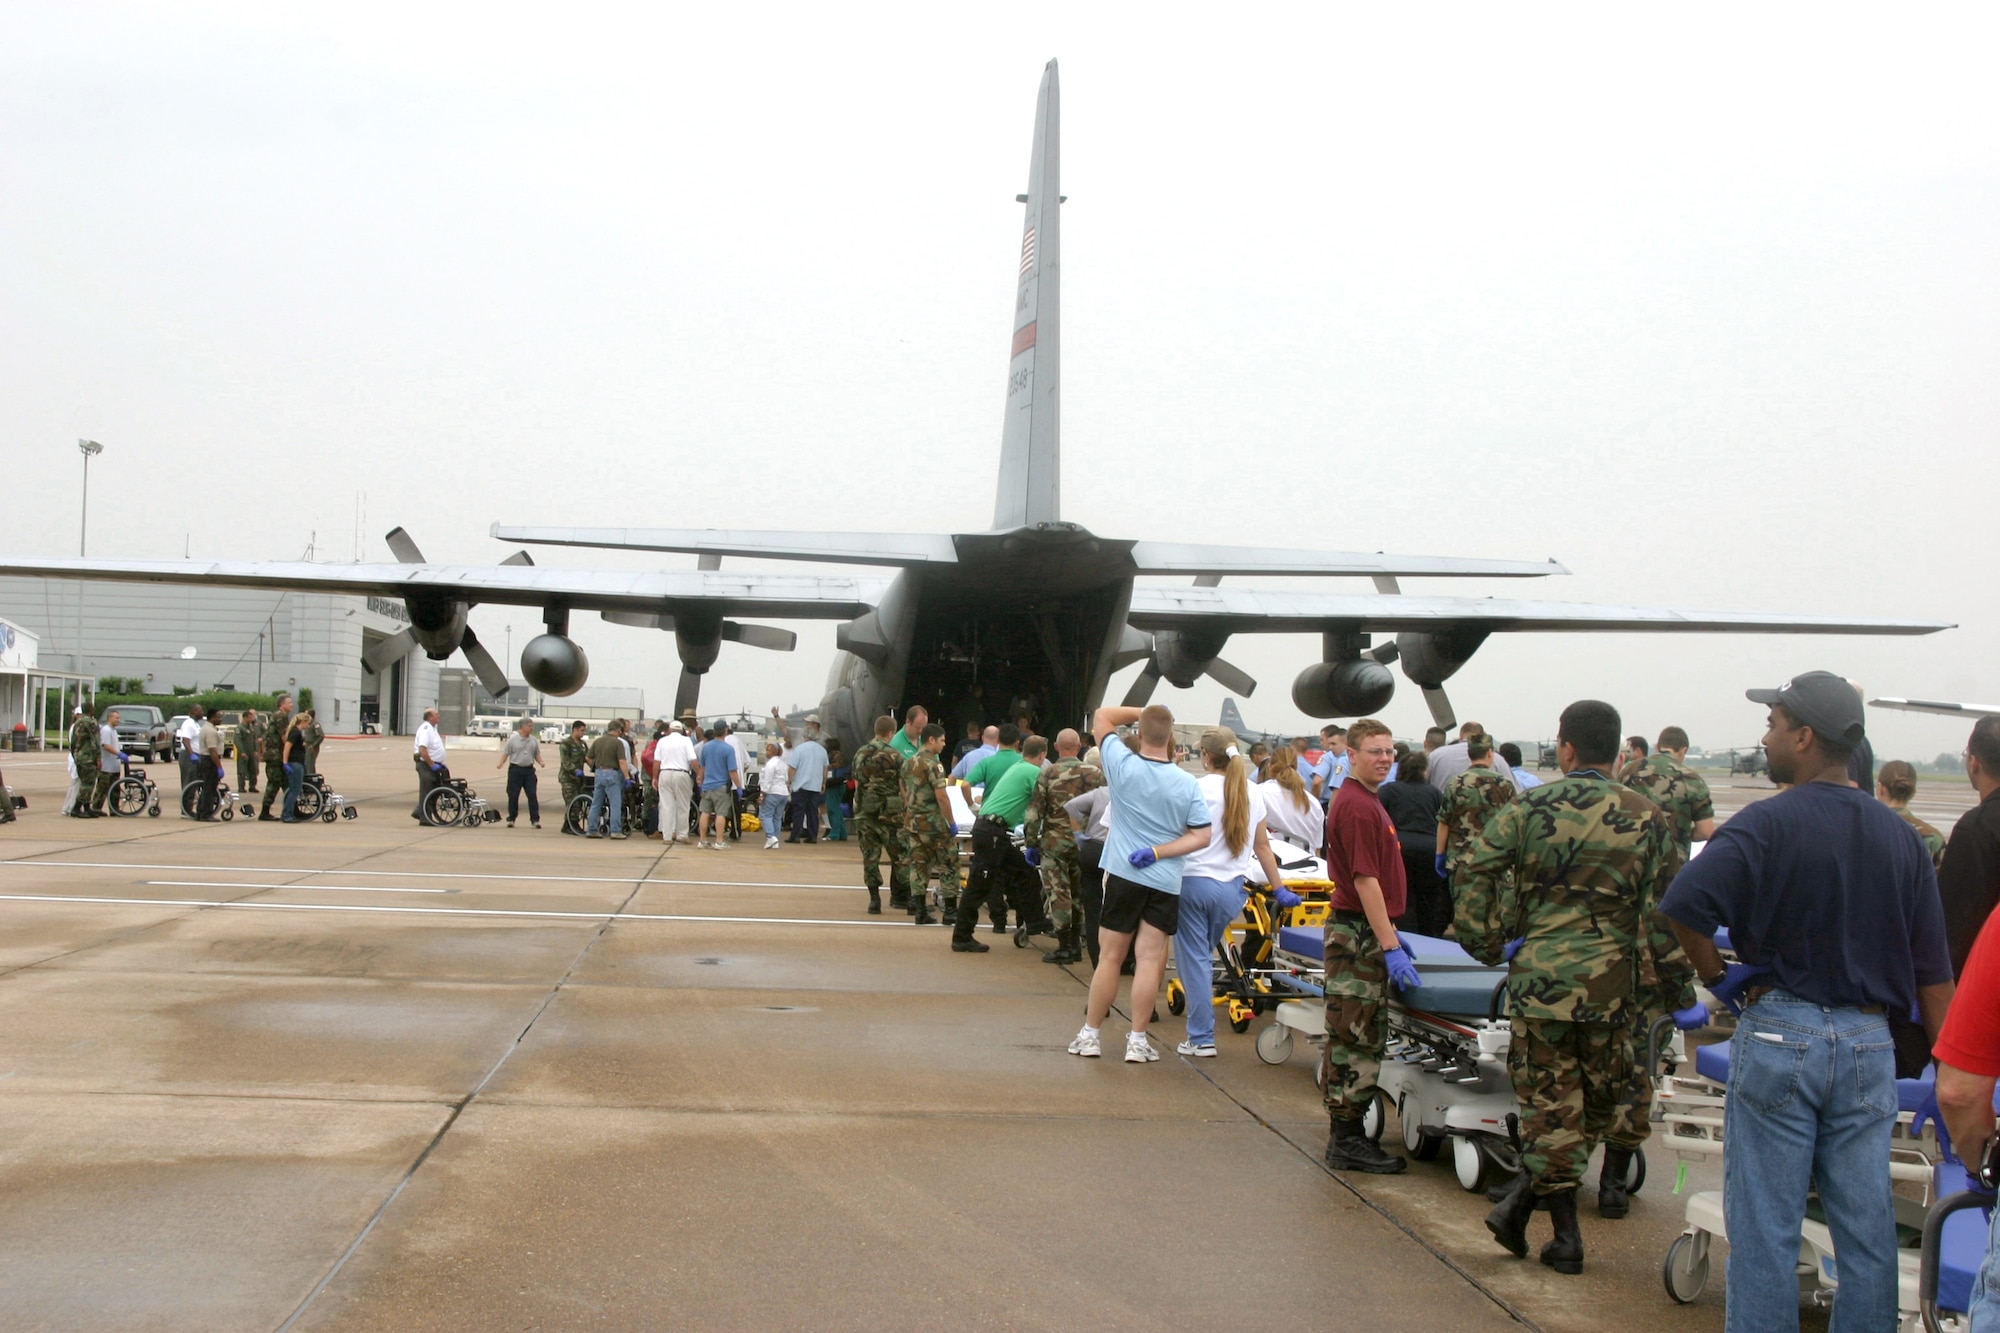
[698, 637]
[554, 664]
[437, 624]
[1182, 657]
[1430, 658]
[1354, 688]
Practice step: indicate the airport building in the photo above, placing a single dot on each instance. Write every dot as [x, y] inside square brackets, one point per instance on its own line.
[224, 638]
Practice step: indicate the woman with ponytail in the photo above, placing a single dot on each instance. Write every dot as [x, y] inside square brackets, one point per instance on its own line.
[1212, 878]
[1293, 813]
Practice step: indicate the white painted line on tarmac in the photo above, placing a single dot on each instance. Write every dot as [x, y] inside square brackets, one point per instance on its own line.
[315, 888]
[436, 911]
[413, 874]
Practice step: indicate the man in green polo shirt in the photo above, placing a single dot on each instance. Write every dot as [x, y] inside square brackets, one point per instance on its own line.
[910, 738]
[999, 875]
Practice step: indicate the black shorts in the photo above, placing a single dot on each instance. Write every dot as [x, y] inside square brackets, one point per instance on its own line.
[1127, 904]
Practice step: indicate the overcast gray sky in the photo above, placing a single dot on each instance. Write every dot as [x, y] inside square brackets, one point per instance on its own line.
[1702, 300]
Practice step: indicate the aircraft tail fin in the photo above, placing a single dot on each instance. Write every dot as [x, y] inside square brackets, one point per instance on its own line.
[1030, 490]
[1232, 717]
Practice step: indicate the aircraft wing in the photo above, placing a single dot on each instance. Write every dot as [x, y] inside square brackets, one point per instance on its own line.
[1214, 561]
[779, 596]
[1273, 611]
[844, 548]
[1936, 706]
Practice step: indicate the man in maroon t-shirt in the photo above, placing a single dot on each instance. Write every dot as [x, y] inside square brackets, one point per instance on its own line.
[1364, 858]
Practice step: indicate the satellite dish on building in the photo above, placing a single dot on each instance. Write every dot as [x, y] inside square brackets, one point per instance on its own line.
[187, 653]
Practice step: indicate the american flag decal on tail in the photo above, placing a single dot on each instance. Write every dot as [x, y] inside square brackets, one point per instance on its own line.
[1027, 252]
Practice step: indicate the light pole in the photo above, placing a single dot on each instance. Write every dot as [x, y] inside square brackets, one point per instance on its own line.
[89, 449]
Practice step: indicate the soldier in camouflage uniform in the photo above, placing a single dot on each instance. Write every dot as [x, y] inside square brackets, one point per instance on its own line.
[1895, 784]
[571, 757]
[878, 816]
[108, 770]
[314, 738]
[275, 783]
[1047, 830]
[1565, 884]
[83, 754]
[930, 839]
[1470, 799]
[249, 744]
[1683, 795]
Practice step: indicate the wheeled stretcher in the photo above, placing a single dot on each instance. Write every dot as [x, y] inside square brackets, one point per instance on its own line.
[1690, 1109]
[1445, 1067]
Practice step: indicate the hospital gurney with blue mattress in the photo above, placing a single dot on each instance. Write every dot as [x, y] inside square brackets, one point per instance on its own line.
[1690, 1110]
[1445, 1066]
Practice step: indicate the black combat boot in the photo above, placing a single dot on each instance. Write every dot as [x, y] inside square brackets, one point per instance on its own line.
[923, 913]
[1565, 1252]
[1509, 1219]
[950, 915]
[899, 900]
[874, 902]
[1500, 1189]
[1066, 950]
[1348, 1149]
[1612, 1201]
[962, 929]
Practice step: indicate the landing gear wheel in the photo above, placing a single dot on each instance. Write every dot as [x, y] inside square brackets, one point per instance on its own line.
[311, 798]
[443, 807]
[578, 812]
[1469, 1163]
[128, 797]
[1176, 999]
[1274, 1044]
[1635, 1174]
[1685, 1273]
[1375, 1118]
[1421, 1146]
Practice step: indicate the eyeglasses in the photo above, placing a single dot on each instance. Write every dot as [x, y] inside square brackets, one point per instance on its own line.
[1377, 753]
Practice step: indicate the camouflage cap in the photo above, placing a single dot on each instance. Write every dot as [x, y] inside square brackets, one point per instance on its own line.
[1820, 700]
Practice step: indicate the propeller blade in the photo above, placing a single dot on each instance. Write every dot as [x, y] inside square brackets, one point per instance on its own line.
[1230, 677]
[402, 547]
[1141, 692]
[687, 694]
[379, 658]
[1440, 707]
[1384, 653]
[1133, 646]
[760, 636]
[489, 671]
[519, 558]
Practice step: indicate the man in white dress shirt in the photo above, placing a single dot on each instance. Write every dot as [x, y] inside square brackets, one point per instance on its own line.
[429, 759]
[675, 756]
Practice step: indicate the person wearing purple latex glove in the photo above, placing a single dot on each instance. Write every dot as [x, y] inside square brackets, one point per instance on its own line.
[1693, 1018]
[1442, 865]
[1143, 857]
[1402, 968]
[1286, 898]
[1735, 979]
[1033, 856]
[1513, 947]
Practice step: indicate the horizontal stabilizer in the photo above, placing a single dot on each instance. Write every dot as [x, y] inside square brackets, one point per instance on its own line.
[1192, 558]
[1937, 706]
[844, 548]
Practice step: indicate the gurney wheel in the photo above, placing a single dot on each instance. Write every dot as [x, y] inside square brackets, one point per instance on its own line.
[1176, 999]
[1239, 1024]
[1375, 1119]
[1685, 1272]
[1469, 1163]
[1420, 1145]
[1635, 1174]
[1274, 1044]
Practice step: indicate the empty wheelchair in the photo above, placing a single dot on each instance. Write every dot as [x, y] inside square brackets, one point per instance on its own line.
[450, 803]
[318, 801]
[133, 794]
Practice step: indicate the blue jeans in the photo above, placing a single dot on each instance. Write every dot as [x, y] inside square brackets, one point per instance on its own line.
[1812, 1097]
[295, 777]
[1207, 908]
[771, 813]
[607, 789]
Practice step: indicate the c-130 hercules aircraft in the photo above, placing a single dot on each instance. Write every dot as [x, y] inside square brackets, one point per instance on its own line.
[1036, 613]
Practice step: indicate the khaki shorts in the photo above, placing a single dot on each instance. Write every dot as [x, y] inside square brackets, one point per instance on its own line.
[718, 801]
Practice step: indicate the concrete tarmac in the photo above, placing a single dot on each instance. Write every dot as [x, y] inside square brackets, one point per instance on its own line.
[372, 1075]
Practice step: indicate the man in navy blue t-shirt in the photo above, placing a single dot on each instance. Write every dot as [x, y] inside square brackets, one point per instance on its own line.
[1833, 908]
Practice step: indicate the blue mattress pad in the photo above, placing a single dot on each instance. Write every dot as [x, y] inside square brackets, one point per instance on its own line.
[1712, 1062]
[1456, 985]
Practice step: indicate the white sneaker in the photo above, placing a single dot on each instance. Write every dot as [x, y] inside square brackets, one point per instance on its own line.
[1138, 1049]
[1086, 1044]
[769, 843]
[1205, 1050]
